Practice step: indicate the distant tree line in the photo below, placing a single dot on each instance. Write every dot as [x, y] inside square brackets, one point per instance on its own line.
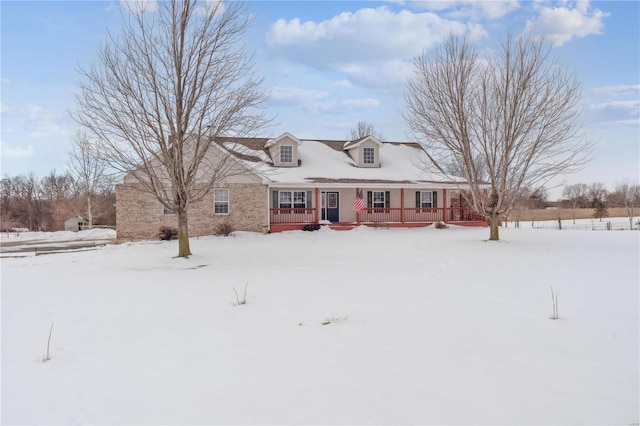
[43, 204]
[597, 197]
[581, 195]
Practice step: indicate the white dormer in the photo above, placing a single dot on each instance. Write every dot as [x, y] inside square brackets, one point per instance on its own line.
[365, 152]
[284, 150]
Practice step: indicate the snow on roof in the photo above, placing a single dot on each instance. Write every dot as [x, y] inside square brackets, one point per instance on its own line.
[327, 161]
[320, 161]
[243, 151]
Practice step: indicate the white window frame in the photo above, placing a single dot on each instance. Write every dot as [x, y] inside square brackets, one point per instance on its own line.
[424, 195]
[221, 202]
[296, 200]
[286, 156]
[371, 157]
[376, 203]
[168, 196]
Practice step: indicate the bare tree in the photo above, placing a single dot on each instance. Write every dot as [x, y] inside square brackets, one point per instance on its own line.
[162, 92]
[59, 195]
[6, 202]
[56, 186]
[89, 171]
[364, 129]
[576, 195]
[512, 116]
[627, 195]
[597, 194]
[28, 206]
[519, 205]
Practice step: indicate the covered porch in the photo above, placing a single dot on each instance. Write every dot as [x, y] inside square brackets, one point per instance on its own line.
[378, 207]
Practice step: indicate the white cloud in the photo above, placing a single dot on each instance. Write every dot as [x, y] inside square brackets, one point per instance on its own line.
[138, 6]
[562, 24]
[16, 152]
[319, 101]
[296, 94]
[350, 36]
[366, 44]
[33, 120]
[380, 75]
[343, 106]
[468, 8]
[633, 89]
[614, 112]
[5, 81]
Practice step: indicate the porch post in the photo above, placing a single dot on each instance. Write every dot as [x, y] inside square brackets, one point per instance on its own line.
[317, 205]
[401, 205]
[444, 205]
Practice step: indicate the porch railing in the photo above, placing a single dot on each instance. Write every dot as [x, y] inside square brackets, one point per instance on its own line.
[293, 215]
[379, 215]
[423, 214]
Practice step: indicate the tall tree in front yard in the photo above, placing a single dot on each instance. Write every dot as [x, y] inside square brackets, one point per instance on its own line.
[511, 118]
[160, 93]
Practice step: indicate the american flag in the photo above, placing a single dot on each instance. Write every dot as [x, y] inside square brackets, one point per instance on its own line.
[358, 205]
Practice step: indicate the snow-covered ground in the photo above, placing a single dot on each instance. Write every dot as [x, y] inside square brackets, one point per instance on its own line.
[26, 243]
[88, 235]
[420, 326]
[606, 224]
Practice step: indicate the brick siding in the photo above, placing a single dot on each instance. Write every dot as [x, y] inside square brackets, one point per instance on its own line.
[140, 214]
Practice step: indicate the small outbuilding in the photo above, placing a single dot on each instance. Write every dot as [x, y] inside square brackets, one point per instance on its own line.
[75, 224]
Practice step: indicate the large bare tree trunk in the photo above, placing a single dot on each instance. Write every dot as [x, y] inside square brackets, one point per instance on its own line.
[184, 250]
[494, 226]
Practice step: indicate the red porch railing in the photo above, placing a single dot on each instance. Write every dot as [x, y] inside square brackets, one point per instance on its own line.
[422, 214]
[293, 215]
[383, 215]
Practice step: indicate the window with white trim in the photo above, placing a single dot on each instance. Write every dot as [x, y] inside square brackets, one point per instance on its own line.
[293, 200]
[221, 201]
[426, 199]
[378, 200]
[286, 154]
[168, 197]
[369, 155]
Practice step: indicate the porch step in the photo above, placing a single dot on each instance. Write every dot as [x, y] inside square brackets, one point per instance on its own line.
[341, 227]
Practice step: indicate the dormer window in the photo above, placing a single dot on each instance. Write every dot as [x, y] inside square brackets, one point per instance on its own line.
[369, 156]
[286, 154]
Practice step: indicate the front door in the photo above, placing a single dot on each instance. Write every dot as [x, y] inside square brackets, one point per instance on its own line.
[331, 206]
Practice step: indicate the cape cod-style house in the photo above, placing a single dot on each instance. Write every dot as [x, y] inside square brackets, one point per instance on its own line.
[285, 183]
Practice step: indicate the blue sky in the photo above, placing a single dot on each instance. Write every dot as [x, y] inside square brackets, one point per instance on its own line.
[328, 65]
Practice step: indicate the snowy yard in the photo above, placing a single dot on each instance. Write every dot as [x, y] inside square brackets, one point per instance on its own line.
[392, 326]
